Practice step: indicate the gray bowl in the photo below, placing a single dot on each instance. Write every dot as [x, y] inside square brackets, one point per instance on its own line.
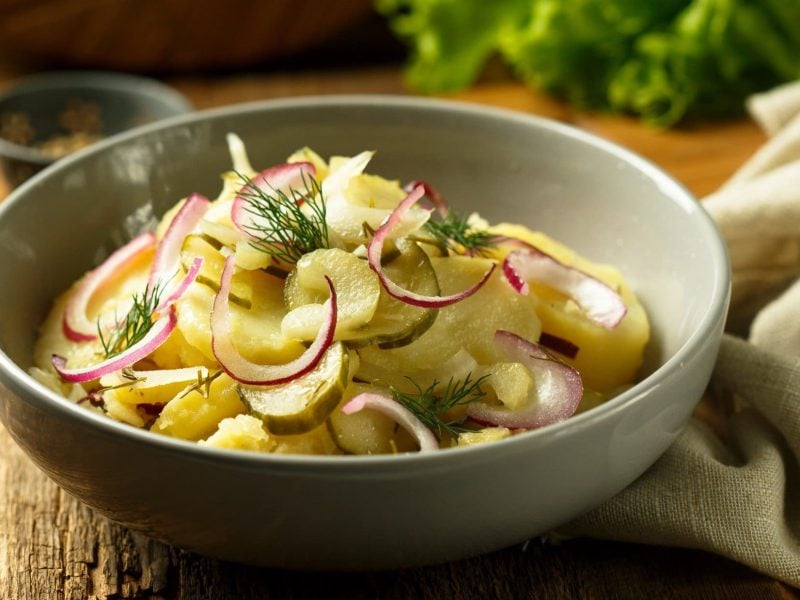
[66, 104]
[368, 512]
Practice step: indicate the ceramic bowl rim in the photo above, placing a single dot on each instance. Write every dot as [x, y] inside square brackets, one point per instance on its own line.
[43, 398]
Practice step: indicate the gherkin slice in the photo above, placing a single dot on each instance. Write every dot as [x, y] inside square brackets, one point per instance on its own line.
[304, 403]
[397, 323]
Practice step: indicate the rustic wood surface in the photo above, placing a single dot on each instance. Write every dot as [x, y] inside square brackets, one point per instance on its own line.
[51, 546]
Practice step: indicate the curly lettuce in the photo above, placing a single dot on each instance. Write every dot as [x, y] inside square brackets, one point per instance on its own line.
[664, 61]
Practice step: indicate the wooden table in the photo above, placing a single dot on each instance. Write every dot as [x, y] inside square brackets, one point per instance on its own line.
[53, 547]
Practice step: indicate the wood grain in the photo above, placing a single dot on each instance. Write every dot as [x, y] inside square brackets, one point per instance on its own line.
[51, 546]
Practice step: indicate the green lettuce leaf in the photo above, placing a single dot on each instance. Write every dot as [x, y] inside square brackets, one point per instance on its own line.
[663, 61]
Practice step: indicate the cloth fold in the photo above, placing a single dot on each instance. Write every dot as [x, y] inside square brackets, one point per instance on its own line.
[734, 488]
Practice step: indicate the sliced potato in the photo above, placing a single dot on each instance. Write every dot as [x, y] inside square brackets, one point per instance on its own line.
[306, 154]
[481, 436]
[467, 325]
[195, 415]
[373, 191]
[606, 358]
[150, 390]
[177, 352]
[317, 441]
[512, 383]
[241, 432]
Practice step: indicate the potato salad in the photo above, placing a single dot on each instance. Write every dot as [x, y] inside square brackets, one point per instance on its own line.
[315, 307]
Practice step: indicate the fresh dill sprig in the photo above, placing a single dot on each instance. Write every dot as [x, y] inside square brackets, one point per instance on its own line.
[287, 226]
[457, 235]
[430, 405]
[135, 325]
[95, 397]
[202, 385]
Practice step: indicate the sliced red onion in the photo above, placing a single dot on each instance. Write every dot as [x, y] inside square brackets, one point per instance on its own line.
[180, 289]
[280, 178]
[558, 388]
[398, 413]
[375, 249]
[432, 194]
[601, 304]
[168, 255]
[558, 344]
[152, 340]
[247, 372]
[75, 323]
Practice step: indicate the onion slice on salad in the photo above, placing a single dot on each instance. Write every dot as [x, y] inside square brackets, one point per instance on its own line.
[601, 304]
[180, 289]
[398, 413]
[152, 340]
[556, 396]
[75, 323]
[283, 178]
[375, 249]
[432, 194]
[250, 373]
[168, 254]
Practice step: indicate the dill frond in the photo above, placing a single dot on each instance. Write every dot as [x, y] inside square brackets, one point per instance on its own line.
[202, 385]
[287, 226]
[430, 405]
[458, 236]
[135, 325]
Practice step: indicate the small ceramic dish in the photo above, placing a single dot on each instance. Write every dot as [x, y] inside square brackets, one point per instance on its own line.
[44, 117]
[359, 512]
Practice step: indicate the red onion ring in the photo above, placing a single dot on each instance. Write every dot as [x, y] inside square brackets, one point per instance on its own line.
[558, 344]
[398, 413]
[247, 372]
[601, 304]
[558, 388]
[432, 194]
[180, 289]
[375, 249]
[75, 323]
[168, 254]
[152, 340]
[280, 178]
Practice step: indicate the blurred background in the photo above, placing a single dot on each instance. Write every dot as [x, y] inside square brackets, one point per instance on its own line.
[637, 72]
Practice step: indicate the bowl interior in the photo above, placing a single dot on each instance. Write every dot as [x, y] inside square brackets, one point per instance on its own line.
[606, 203]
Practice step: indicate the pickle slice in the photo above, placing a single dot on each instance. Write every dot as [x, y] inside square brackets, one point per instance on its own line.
[367, 431]
[397, 323]
[304, 403]
[357, 292]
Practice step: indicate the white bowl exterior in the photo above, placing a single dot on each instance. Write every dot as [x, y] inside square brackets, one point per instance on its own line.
[372, 512]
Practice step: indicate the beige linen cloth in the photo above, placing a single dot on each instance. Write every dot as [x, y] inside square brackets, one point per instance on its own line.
[731, 485]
